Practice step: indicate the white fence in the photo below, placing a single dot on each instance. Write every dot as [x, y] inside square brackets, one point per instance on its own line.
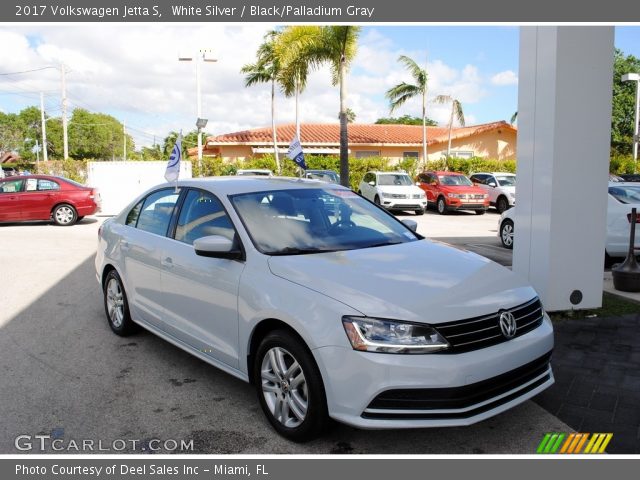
[120, 182]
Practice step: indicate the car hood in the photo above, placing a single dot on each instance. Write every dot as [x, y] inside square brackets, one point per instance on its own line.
[421, 281]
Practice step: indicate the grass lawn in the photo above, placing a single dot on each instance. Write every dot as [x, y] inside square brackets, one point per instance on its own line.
[612, 306]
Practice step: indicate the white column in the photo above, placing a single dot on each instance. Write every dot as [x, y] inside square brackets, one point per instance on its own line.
[564, 122]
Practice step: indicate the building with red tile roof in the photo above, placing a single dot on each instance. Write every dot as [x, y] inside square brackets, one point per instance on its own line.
[495, 140]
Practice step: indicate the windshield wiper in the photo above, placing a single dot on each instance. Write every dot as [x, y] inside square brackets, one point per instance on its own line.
[302, 251]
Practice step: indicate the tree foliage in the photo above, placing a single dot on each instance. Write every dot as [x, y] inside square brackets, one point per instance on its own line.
[624, 102]
[405, 120]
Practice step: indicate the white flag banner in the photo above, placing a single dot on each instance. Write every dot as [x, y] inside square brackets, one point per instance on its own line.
[295, 153]
[172, 172]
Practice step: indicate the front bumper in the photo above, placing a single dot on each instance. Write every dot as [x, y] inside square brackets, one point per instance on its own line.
[404, 203]
[454, 204]
[374, 390]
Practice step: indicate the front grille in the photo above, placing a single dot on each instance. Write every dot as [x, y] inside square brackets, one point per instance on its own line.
[480, 332]
[417, 196]
[398, 195]
[430, 399]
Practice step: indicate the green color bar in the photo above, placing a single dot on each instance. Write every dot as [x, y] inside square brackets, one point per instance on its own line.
[543, 443]
[555, 448]
[550, 443]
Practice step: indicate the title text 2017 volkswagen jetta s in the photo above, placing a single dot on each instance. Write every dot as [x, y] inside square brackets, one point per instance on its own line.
[327, 303]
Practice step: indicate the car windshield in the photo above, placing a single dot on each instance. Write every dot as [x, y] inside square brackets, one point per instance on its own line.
[394, 179]
[626, 194]
[506, 180]
[330, 177]
[455, 180]
[305, 221]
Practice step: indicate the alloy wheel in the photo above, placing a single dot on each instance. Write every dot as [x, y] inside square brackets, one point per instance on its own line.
[284, 387]
[115, 302]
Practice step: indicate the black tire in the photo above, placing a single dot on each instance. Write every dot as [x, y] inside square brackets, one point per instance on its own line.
[480, 212]
[441, 206]
[118, 315]
[274, 389]
[420, 211]
[79, 218]
[64, 215]
[506, 233]
[502, 204]
[376, 200]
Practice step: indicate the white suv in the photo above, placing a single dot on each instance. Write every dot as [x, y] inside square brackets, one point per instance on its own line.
[500, 186]
[393, 191]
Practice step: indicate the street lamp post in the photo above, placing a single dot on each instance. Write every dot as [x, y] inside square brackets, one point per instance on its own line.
[203, 55]
[635, 77]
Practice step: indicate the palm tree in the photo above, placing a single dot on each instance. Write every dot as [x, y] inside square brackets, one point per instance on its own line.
[514, 117]
[402, 92]
[313, 46]
[456, 110]
[265, 70]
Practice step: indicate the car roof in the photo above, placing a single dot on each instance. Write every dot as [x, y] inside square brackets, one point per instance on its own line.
[231, 185]
[381, 172]
[496, 173]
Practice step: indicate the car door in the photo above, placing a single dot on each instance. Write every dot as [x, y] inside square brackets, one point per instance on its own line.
[143, 239]
[367, 189]
[10, 208]
[38, 198]
[431, 187]
[200, 294]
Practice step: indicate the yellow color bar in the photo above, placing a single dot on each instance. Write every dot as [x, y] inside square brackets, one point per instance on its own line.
[606, 441]
[591, 442]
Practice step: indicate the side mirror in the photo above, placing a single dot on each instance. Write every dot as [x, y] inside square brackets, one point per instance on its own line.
[411, 224]
[417, 184]
[372, 183]
[492, 184]
[216, 246]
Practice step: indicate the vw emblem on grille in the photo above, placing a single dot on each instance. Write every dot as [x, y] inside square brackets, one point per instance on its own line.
[508, 324]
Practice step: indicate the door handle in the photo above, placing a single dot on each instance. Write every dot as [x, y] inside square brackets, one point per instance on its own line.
[124, 245]
[167, 262]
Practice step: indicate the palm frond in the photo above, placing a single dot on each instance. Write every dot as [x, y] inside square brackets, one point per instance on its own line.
[419, 74]
[458, 113]
[442, 99]
[399, 94]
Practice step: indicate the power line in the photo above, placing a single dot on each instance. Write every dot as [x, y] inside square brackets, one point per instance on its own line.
[27, 71]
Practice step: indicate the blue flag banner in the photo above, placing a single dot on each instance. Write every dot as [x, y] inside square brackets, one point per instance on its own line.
[295, 153]
[172, 172]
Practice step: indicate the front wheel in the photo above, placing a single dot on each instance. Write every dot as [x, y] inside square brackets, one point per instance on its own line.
[64, 215]
[506, 234]
[116, 306]
[502, 204]
[420, 211]
[376, 200]
[289, 387]
[480, 212]
[442, 206]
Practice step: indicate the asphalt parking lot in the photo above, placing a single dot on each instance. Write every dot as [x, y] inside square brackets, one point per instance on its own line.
[66, 375]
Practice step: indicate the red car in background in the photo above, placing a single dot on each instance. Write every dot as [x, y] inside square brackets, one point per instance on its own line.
[452, 191]
[43, 197]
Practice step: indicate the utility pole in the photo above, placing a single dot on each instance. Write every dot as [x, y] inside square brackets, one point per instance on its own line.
[65, 138]
[44, 129]
[124, 142]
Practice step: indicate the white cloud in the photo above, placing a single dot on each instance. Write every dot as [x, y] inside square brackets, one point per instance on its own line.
[132, 72]
[501, 79]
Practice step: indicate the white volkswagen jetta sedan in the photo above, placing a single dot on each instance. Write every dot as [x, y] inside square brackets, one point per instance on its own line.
[328, 304]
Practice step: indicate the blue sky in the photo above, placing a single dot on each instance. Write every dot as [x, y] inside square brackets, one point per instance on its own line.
[132, 72]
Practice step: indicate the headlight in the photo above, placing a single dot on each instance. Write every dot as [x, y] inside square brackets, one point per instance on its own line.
[385, 195]
[512, 195]
[456, 195]
[486, 195]
[392, 336]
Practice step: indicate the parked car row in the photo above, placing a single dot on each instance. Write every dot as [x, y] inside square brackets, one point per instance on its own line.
[621, 198]
[44, 197]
